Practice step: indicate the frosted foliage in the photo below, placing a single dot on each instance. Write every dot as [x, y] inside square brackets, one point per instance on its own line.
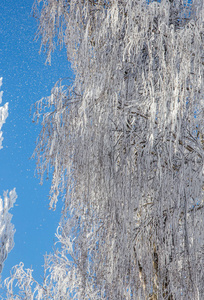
[6, 227]
[3, 113]
[126, 146]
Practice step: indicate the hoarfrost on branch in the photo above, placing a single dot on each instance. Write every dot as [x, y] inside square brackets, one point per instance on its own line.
[126, 144]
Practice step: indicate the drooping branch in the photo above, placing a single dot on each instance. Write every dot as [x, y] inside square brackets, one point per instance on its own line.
[126, 147]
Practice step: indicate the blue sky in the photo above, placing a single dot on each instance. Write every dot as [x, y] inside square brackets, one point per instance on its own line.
[26, 79]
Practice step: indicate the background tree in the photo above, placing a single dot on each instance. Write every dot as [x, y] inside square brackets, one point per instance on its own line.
[125, 142]
[6, 227]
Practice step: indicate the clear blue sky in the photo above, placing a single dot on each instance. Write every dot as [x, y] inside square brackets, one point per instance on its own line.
[26, 79]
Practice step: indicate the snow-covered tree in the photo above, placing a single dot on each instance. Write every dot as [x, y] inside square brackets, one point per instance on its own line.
[6, 227]
[126, 145]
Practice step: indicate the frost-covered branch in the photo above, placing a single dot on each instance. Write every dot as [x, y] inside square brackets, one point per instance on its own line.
[126, 146]
[132, 137]
[6, 227]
